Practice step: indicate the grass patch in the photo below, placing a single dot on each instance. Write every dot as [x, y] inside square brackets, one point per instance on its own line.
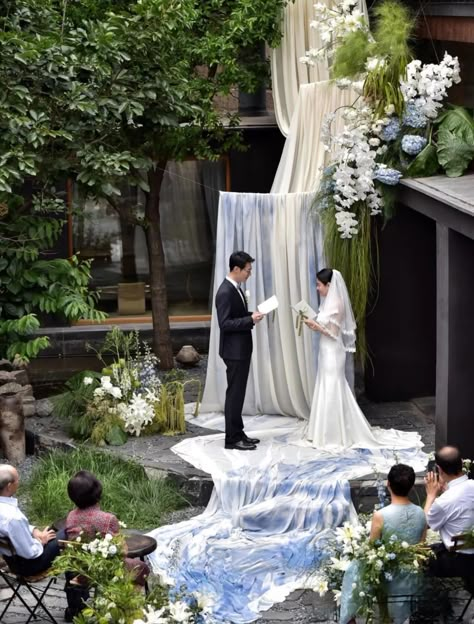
[135, 499]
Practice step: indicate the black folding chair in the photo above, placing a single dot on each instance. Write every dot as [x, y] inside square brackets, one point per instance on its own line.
[16, 581]
[468, 581]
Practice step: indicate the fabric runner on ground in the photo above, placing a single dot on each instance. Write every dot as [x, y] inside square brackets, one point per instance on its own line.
[270, 515]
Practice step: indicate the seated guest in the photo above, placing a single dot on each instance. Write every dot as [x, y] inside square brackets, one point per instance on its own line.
[449, 509]
[34, 549]
[85, 491]
[403, 519]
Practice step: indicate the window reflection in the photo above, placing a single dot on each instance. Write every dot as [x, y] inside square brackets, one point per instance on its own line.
[109, 232]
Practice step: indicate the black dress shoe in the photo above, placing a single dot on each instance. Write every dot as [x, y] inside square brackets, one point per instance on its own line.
[251, 440]
[241, 445]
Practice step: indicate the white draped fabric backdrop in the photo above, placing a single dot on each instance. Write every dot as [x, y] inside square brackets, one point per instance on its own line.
[280, 233]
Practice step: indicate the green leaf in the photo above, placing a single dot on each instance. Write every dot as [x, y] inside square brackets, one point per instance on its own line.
[425, 163]
[116, 436]
[457, 120]
[454, 153]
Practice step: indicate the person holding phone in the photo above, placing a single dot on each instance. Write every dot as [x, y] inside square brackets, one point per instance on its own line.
[449, 509]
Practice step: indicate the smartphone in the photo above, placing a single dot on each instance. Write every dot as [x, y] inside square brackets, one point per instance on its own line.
[432, 467]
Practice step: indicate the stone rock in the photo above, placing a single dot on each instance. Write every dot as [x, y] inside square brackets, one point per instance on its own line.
[11, 388]
[44, 407]
[15, 388]
[16, 376]
[188, 356]
[29, 406]
[21, 376]
[6, 365]
[6, 377]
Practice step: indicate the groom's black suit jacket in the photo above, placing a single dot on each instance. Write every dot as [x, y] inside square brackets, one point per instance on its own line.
[235, 324]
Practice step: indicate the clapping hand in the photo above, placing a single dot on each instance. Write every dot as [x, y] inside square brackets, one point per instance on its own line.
[256, 317]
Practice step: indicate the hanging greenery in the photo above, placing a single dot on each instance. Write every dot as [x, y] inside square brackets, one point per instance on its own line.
[398, 126]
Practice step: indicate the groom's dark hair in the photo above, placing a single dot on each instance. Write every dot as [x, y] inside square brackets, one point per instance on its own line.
[239, 259]
[401, 479]
[324, 276]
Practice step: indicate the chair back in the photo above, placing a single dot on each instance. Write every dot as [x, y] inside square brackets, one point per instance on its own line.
[7, 546]
[462, 542]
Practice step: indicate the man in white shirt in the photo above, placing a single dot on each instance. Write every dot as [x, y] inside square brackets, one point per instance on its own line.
[34, 549]
[449, 509]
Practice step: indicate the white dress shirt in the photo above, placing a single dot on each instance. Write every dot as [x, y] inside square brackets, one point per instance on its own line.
[452, 513]
[236, 285]
[15, 526]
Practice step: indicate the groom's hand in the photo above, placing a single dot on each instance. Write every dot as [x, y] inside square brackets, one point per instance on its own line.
[256, 317]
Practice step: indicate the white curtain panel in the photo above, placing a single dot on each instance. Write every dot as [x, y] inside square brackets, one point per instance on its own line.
[288, 73]
[279, 232]
[303, 156]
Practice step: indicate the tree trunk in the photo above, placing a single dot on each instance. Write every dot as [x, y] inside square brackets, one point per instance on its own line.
[127, 230]
[12, 428]
[159, 298]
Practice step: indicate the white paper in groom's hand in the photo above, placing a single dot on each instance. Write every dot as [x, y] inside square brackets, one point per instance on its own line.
[305, 309]
[268, 306]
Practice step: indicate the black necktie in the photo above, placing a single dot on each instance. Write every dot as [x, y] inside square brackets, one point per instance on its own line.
[243, 296]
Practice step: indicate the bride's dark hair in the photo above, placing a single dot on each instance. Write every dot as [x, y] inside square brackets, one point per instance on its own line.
[324, 276]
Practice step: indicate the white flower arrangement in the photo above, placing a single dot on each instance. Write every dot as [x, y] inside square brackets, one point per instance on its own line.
[105, 547]
[357, 152]
[175, 611]
[333, 24]
[138, 412]
[380, 561]
[426, 86]
[130, 392]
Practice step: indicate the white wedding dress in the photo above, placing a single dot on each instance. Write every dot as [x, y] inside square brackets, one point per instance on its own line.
[336, 421]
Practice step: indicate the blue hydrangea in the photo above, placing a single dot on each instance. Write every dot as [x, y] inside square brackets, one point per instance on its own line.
[388, 176]
[414, 118]
[388, 576]
[413, 144]
[391, 131]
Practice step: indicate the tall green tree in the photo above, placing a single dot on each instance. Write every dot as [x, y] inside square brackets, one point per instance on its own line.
[109, 92]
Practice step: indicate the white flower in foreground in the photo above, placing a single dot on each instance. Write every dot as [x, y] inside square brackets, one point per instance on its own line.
[179, 611]
[87, 381]
[322, 587]
[204, 602]
[340, 564]
[404, 544]
[150, 616]
[116, 392]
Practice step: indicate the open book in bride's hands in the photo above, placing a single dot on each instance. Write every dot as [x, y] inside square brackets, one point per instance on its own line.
[302, 308]
[303, 311]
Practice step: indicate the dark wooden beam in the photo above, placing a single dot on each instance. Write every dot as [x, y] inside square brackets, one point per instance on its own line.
[446, 28]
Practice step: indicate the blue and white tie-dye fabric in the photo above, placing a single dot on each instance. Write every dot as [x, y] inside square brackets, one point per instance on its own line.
[269, 518]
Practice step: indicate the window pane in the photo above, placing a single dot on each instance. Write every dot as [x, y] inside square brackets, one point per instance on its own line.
[109, 234]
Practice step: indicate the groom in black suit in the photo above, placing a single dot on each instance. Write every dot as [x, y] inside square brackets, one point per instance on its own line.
[235, 347]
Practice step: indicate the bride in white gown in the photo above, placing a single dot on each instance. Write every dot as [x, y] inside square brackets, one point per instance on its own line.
[336, 420]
